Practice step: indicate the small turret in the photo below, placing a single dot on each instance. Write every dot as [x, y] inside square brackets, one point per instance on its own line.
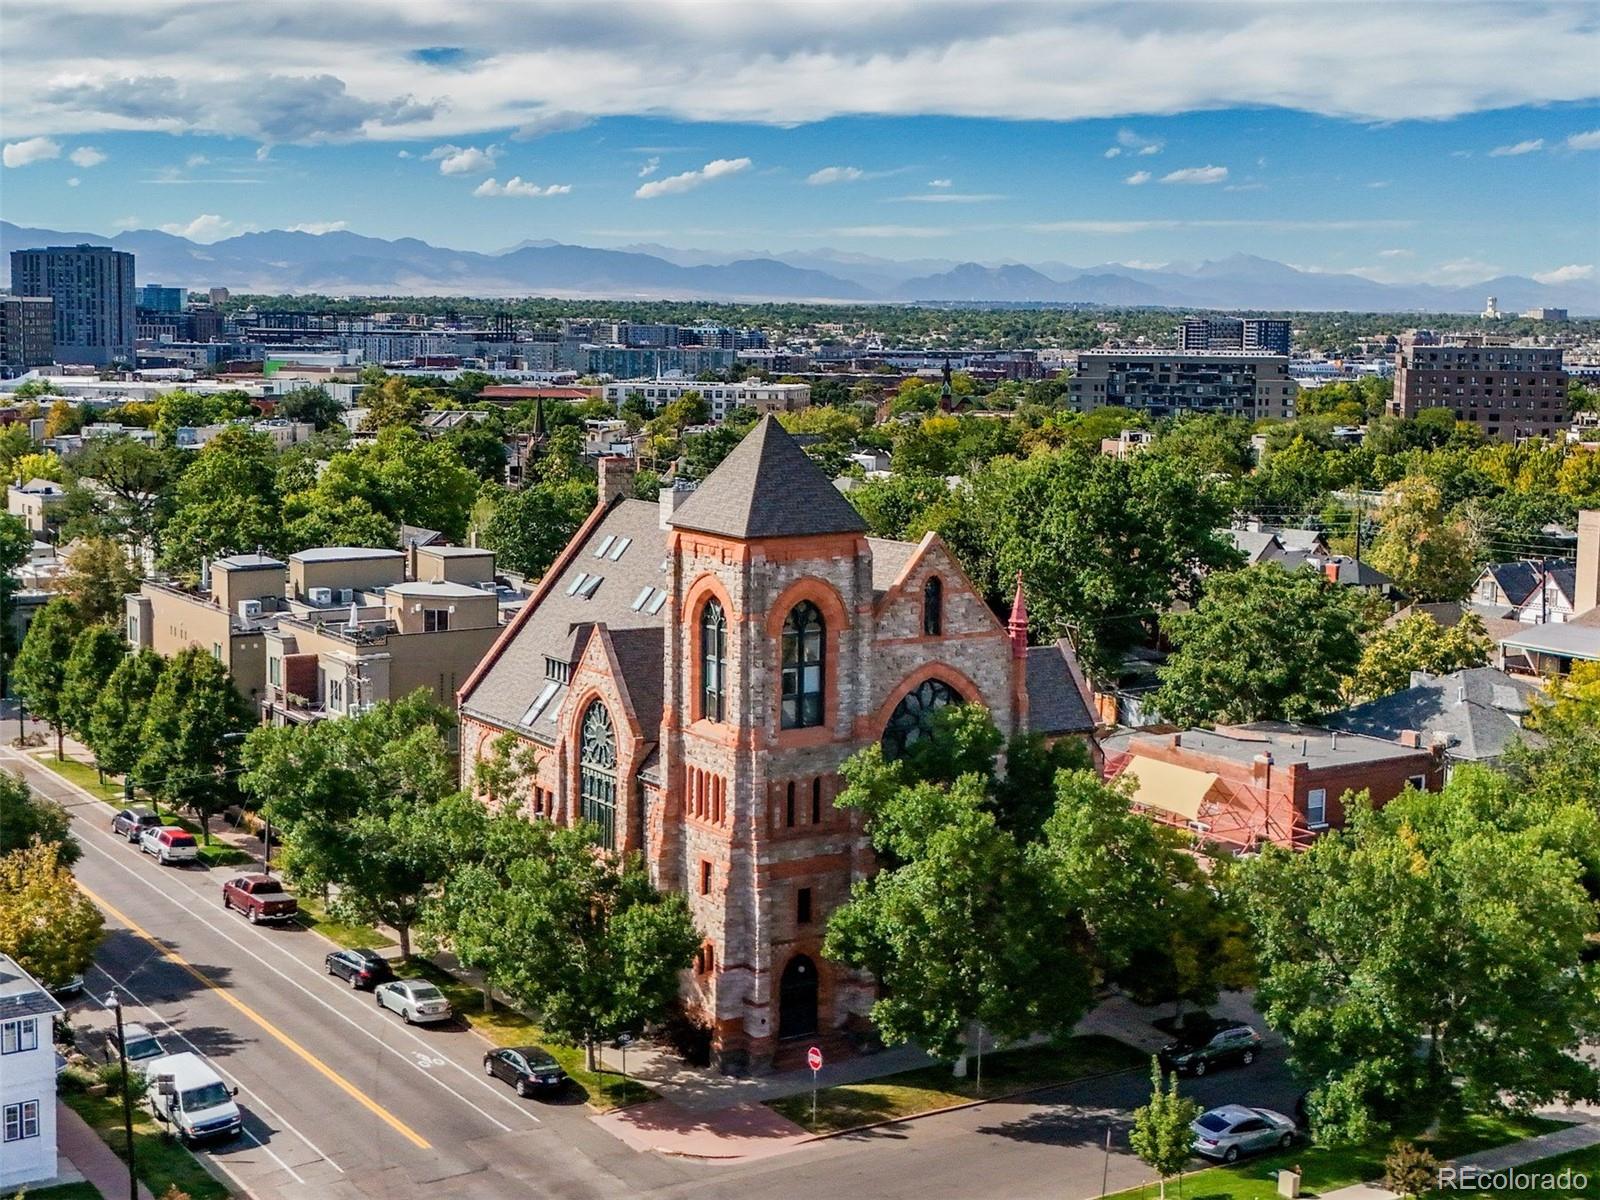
[1017, 626]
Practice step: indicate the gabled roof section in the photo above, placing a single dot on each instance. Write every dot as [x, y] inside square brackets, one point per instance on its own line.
[768, 487]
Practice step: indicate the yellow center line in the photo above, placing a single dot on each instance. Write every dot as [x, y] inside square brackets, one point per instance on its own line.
[311, 1059]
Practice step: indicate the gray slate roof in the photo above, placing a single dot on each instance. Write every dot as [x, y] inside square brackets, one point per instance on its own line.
[20, 993]
[1476, 710]
[889, 558]
[768, 487]
[1055, 703]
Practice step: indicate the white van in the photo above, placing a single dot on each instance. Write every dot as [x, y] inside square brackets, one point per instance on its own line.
[189, 1095]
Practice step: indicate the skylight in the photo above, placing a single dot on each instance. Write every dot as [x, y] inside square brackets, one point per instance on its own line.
[622, 544]
[589, 585]
[655, 605]
[605, 545]
[541, 702]
[642, 597]
[572, 588]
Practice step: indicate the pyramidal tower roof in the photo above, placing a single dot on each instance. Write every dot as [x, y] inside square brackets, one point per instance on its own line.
[768, 487]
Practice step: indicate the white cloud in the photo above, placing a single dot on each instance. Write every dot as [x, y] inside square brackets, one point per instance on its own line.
[688, 180]
[1246, 187]
[463, 160]
[889, 231]
[26, 153]
[940, 183]
[87, 156]
[1196, 175]
[1114, 152]
[650, 166]
[517, 186]
[952, 197]
[835, 175]
[200, 160]
[1137, 178]
[122, 223]
[263, 152]
[74, 181]
[404, 154]
[557, 120]
[1130, 141]
[1152, 148]
[319, 227]
[1570, 273]
[1276, 225]
[1397, 253]
[207, 227]
[1589, 140]
[1462, 271]
[1379, 183]
[1531, 146]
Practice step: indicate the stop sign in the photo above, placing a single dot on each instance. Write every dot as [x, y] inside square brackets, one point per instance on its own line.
[814, 1058]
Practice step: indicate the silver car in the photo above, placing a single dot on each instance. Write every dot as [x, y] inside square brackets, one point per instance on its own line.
[1227, 1132]
[417, 1000]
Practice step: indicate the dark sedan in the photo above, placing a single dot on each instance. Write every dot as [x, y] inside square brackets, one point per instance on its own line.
[362, 968]
[528, 1069]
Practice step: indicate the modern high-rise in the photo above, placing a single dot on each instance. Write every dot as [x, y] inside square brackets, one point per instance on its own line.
[160, 298]
[1164, 383]
[1507, 391]
[1260, 335]
[27, 332]
[92, 287]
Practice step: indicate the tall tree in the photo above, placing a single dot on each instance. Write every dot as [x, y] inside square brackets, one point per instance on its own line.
[1422, 546]
[41, 666]
[578, 934]
[191, 736]
[1161, 1134]
[97, 577]
[312, 404]
[122, 490]
[96, 654]
[1263, 644]
[116, 722]
[16, 543]
[1417, 643]
[526, 529]
[46, 924]
[25, 816]
[226, 503]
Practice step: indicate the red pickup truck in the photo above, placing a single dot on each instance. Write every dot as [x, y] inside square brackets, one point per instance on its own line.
[260, 898]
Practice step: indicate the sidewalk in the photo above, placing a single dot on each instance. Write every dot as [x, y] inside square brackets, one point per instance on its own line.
[92, 1158]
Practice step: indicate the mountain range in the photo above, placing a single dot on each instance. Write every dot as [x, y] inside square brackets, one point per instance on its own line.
[342, 263]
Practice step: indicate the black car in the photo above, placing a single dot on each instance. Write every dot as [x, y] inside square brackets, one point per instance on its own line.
[363, 968]
[1211, 1045]
[529, 1069]
[129, 823]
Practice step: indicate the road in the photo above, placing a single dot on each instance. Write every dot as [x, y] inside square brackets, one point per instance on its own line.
[343, 1100]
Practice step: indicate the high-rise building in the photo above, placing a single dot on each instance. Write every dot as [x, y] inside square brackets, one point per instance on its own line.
[158, 298]
[1262, 335]
[92, 287]
[218, 295]
[27, 334]
[1508, 391]
[1164, 383]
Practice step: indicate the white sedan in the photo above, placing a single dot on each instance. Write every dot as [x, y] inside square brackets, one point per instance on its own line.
[416, 1000]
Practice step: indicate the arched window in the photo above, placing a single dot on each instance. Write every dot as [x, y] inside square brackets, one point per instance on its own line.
[713, 660]
[597, 772]
[912, 719]
[803, 632]
[933, 607]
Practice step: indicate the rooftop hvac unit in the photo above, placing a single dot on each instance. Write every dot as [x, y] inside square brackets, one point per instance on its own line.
[346, 595]
[249, 610]
[321, 595]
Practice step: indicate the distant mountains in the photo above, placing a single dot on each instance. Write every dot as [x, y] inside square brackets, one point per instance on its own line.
[348, 264]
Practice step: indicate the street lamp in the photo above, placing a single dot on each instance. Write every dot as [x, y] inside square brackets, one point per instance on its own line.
[114, 1003]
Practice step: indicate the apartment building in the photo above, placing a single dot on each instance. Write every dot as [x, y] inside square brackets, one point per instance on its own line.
[92, 287]
[1508, 391]
[36, 503]
[1165, 383]
[723, 398]
[27, 1079]
[1260, 335]
[27, 332]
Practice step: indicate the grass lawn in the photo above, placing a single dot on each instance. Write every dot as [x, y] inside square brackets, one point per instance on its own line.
[506, 1027]
[1326, 1168]
[314, 916]
[161, 1161]
[1580, 1162]
[82, 1190]
[82, 774]
[927, 1088]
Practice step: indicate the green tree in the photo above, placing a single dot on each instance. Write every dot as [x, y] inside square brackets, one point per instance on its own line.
[482, 450]
[16, 543]
[580, 935]
[401, 475]
[96, 654]
[391, 402]
[191, 732]
[97, 578]
[1417, 643]
[116, 722]
[226, 503]
[1421, 546]
[1264, 644]
[41, 666]
[25, 816]
[527, 528]
[310, 404]
[1564, 764]
[1431, 958]
[47, 925]
[1161, 1135]
[39, 465]
[122, 489]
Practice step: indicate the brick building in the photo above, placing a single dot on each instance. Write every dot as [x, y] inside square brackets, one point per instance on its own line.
[690, 675]
[1164, 383]
[1506, 391]
[1268, 782]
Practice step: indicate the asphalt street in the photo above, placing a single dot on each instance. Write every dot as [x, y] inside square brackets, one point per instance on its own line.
[344, 1100]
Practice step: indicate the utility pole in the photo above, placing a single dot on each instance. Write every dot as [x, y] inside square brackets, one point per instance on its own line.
[115, 1003]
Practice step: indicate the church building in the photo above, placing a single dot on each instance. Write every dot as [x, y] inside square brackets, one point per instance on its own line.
[691, 673]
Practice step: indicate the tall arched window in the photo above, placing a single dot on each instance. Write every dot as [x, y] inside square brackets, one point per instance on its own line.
[597, 772]
[803, 632]
[912, 719]
[713, 660]
[933, 607]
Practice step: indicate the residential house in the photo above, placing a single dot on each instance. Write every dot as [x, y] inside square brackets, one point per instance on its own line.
[1269, 782]
[27, 1079]
[1570, 589]
[38, 502]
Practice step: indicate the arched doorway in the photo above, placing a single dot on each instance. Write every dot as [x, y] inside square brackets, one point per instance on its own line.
[912, 719]
[797, 998]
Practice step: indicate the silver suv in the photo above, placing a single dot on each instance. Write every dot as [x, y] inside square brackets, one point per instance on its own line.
[1227, 1132]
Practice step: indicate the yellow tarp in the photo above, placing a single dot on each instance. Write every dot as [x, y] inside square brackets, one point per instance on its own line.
[1169, 787]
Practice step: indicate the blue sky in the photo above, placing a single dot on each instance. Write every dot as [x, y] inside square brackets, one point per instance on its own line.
[1441, 142]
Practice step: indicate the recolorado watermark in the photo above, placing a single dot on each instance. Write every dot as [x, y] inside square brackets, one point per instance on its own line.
[1505, 1179]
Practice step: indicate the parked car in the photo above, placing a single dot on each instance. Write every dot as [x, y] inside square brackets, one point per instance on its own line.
[188, 1093]
[363, 968]
[1212, 1046]
[1227, 1132]
[528, 1069]
[142, 1045]
[417, 1000]
[170, 844]
[69, 989]
[260, 898]
[129, 823]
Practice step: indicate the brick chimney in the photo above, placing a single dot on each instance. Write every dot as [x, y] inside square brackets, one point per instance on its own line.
[1588, 589]
[1411, 739]
[1017, 631]
[616, 477]
[1330, 570]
